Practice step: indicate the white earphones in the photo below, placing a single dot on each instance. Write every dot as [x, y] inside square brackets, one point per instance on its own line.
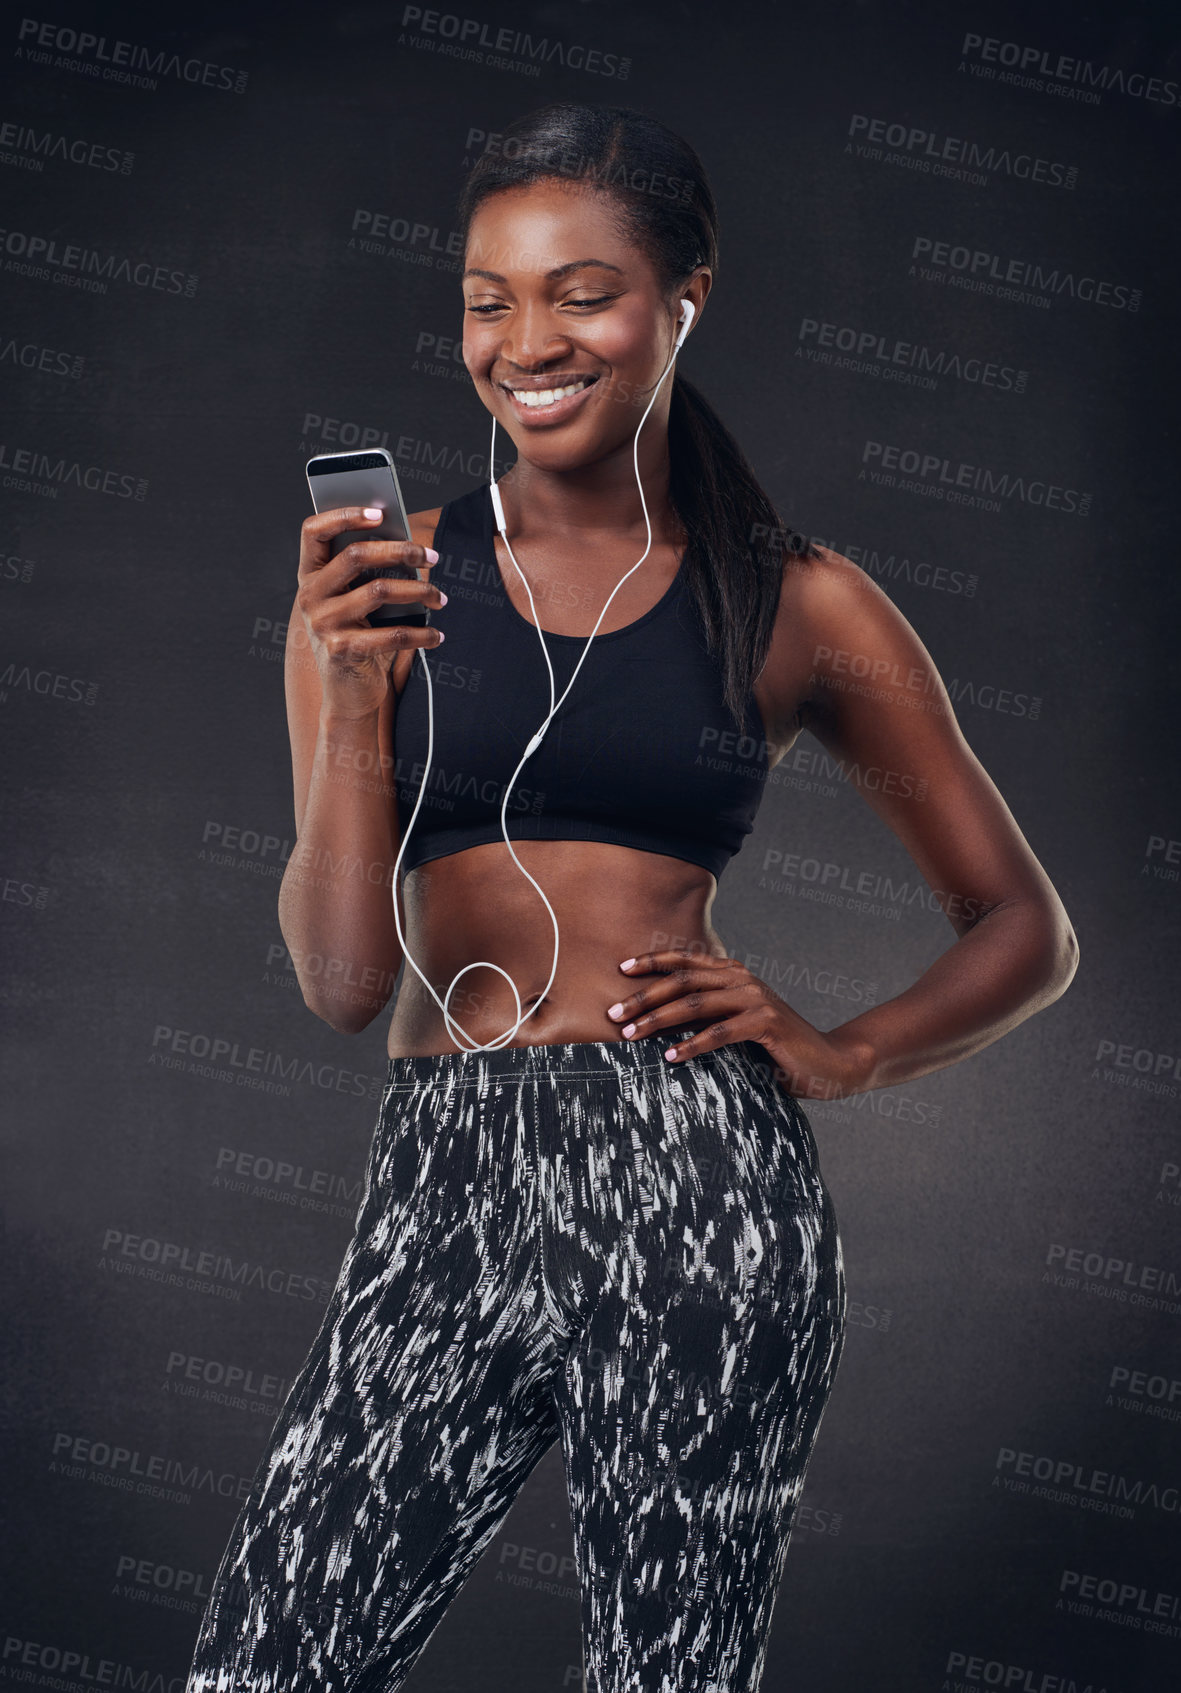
[688, 311]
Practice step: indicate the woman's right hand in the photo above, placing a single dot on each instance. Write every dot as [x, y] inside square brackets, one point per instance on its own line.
[354, 659]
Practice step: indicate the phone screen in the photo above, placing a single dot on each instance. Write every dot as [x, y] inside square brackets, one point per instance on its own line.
[366, 479]
[359, 479]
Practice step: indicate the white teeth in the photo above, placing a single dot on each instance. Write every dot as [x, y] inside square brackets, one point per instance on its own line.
[547, 396]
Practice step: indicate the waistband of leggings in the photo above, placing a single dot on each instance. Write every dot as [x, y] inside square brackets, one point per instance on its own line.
[569, 1060]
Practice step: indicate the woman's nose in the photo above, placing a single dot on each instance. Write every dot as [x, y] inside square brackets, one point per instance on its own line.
[533, 339]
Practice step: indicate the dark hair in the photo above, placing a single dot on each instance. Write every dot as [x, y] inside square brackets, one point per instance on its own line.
[737, 542]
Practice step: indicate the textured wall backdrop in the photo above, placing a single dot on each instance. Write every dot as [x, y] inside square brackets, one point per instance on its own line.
[941, 327]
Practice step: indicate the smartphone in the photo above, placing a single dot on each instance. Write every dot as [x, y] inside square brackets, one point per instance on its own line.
[368, 479]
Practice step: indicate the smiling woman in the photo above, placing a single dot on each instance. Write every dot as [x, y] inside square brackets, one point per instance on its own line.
[569, 1225]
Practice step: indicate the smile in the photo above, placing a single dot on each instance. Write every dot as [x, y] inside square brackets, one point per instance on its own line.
[550, 400]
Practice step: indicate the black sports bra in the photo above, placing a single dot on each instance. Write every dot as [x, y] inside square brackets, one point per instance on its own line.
[643, 752]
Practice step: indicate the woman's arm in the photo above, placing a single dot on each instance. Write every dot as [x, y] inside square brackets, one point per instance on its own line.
[847, 665]
[336, 899]
[877, 702]
[335, 902]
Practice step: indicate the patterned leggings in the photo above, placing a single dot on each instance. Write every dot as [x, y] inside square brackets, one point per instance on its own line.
[576, 1242]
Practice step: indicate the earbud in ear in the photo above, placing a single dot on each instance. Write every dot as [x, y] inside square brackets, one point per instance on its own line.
[688, 312]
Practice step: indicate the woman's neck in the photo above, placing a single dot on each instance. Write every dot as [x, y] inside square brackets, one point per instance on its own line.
[600, 497]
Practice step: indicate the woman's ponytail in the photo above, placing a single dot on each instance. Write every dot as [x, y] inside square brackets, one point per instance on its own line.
[737, 541]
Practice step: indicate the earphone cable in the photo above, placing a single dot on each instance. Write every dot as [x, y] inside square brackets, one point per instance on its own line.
[534, 742]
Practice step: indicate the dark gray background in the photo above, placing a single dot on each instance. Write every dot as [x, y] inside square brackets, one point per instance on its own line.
[141, 688]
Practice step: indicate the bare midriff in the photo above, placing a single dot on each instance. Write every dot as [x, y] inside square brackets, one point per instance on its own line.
[611, 903]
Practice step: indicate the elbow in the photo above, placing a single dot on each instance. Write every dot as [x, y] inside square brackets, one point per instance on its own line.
[340, 1020]
[346, 1011]
[1059, 950]
[1070, 958]
[345, 987]
[1043, 946]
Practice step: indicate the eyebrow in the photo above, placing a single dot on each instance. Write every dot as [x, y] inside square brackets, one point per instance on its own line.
[551, 275]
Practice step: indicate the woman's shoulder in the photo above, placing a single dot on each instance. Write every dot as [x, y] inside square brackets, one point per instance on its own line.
[830, 592]
[468, 512]
[861, 652]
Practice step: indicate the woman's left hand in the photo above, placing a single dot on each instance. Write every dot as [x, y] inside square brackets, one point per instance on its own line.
[808, 1062]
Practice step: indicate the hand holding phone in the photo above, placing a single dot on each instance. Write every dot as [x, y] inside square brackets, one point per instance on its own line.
[361, 579]
[367, 479]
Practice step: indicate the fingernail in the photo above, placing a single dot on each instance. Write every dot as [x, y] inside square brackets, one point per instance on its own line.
[627, 964]
[432, 556]
[671, 1053]
[629, 1030]
[442, 597]
[615, 1010]
[373, 511]
[441, 636]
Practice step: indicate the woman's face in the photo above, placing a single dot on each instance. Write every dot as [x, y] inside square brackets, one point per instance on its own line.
[556, 297]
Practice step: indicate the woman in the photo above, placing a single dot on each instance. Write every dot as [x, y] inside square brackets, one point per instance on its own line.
[610, 1228]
